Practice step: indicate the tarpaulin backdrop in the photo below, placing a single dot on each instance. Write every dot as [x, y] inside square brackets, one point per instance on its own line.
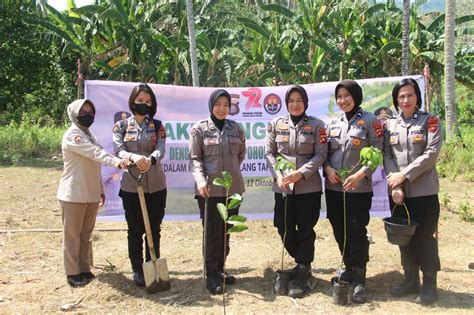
[179, 107]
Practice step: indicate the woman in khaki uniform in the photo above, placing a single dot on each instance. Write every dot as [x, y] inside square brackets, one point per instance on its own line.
[352, 131]
[302, 140]
[412, 143]
[80, 190]
[217, 144]
[141, 139]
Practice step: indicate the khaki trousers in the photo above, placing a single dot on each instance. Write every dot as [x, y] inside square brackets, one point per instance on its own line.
[78, 222]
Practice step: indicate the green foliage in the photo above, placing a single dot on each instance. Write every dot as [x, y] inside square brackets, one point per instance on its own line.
[232, 202]
[371, 157]
[33, 77]
[445, 200]
[21, 143]
[283, 165]
[465, 211]
[456, 158]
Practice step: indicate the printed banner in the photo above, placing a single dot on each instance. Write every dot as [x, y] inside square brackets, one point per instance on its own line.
[179, 107]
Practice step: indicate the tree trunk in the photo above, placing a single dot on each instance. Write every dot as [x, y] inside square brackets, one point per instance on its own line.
[192, 42]
[406, 38]
[449, 95]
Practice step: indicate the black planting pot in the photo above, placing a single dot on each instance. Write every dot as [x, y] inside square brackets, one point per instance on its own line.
[398, 231]
[339, 292]
[282, 280]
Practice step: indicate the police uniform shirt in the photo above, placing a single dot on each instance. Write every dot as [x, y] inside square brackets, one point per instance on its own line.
[346, 140]
[212, 151]
[412, 147]
[131, 138]
[304, 144]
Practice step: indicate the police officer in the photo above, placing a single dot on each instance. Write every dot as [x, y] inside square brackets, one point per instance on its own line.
[141, 139]
[300, 139]
[353, 130]
[412, 144]
[217, 144]
[80, 190]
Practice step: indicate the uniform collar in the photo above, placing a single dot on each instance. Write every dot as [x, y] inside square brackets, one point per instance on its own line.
[302, 121]
[358, 115]
[212, 126]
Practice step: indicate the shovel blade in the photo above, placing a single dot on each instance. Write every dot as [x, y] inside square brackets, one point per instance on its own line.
[156, 275]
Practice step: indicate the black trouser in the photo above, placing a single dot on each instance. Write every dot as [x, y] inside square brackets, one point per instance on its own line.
[156, 204]
[423, 248]
[302, 214]
[215, 233]
[356, 253]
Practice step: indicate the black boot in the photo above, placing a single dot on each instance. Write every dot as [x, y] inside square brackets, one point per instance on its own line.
[213, 284]
[411, 284]
[428, 293]
[137, 268]
[359, 295]
[229, 279]
[299, 286]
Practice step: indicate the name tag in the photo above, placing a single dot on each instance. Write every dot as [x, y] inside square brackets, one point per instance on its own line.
[393, 139]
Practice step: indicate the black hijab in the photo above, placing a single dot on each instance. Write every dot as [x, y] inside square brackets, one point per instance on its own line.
[356, 92]
[219, 123]
[304, 95]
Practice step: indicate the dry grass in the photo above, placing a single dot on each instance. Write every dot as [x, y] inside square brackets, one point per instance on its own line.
[32, 279]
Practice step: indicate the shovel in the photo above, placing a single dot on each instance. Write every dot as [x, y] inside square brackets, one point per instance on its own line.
[155, 271]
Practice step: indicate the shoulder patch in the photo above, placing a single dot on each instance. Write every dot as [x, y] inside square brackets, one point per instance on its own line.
[162, 132]
[79, 139]
[269, 127]
[378, 129]
[115, 128]
[433, 124]
[323, 138]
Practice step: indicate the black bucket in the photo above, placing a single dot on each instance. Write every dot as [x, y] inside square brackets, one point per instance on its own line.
[282, 280]
[339, 292]
[398, 230]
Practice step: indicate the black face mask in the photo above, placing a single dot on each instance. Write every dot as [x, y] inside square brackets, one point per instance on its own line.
[85, 120]
[141, 109]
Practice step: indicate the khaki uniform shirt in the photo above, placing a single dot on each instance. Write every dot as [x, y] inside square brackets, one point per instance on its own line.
[346, 140]
[305, 145]
[131, 138]
[212, 151]
[413, 147]
[82, 156]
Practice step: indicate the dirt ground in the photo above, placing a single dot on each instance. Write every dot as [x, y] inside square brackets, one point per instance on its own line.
[32, 278]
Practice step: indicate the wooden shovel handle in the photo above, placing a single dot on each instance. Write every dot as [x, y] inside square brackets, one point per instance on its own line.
[146, 221]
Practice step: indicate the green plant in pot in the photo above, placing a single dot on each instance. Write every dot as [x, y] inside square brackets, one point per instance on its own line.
[283, 277]
[372, 158]
[237, 221]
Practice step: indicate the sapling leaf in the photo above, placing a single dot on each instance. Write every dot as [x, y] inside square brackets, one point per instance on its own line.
[222, 211]
[343, 173]
[220, 182]
[227, 178]
[237, 218]
[237, 228]
[235, 200]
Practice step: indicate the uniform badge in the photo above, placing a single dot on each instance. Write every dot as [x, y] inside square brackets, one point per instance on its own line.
[418, 138]
[79, 139]
[152, 125]
[285, 139]
[433, 124]
[130, 137]
[307, 127]
[378, 129]
[335, 132]
[282, 126]
[359, 115]
[415, 116]
[162, 132]
[193, 132]
[211, 141]
[394, 139]
[356, 141]
[130, 128]
[360, 122]
[269, 127]
[323, 138]
[115, 128]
